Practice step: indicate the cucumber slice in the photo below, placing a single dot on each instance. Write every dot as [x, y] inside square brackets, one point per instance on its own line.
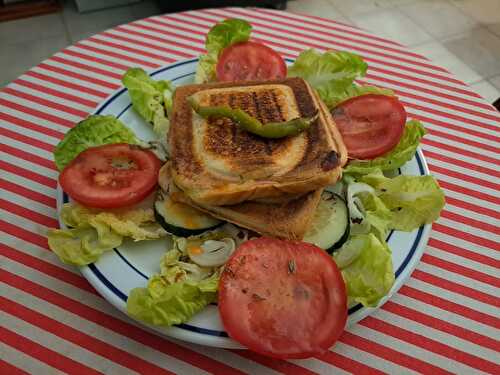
[181, 219]
[330, 225]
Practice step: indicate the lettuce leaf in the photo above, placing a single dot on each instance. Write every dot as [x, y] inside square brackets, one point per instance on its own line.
[138, 224]
[221, 35]
[366, 266]
[150, 98]
[95, 130]
[226, 33]
[84, 245]
[413, 200]
[331, 73]
[164, 304]
[377, 215]
[92, 232]
[398, 156]
[377, 204]
[205, 70]
[180, 290]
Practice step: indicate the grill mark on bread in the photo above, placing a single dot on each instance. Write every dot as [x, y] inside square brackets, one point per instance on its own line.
[279, 105]
[307, 108]
[258, 110]
[306, 105]
[269, 110]
[260, 116]
[265, 105]
[226, 139]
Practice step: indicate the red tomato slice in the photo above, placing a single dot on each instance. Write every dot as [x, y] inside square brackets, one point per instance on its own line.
[284, 299]
[110, 176]
[371, 125]
[248, 61]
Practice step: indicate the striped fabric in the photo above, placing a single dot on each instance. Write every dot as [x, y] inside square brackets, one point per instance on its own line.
[446, 319]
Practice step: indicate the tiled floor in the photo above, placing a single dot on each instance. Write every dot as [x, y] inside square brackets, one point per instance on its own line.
[460, 35]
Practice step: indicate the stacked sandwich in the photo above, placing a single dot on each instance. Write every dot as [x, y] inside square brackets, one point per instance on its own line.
[271, 186]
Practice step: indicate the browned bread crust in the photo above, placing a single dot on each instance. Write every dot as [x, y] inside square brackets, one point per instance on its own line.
[315, 157]
[288, 220]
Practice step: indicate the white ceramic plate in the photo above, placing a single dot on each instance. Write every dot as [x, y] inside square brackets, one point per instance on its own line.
[130, 265]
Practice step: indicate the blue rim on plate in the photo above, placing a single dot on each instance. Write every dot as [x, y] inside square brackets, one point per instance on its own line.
[204, 331]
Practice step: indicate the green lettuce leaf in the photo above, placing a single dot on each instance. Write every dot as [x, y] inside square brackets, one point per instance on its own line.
[164, 304]
[377, 215]
[94, 131]
[413, 200]
[403, 152]
[181, 290]
[150, 98]
[366, 266]
[205, 70]
[331, 73]
[81, 246]
[138, 224]
[221, 35]
[92, 232]
[225, 33]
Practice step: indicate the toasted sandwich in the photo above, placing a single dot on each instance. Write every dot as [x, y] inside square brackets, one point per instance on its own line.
[288, 220]
[215, 163]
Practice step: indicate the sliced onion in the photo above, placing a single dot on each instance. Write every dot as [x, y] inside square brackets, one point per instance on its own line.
[212, 253]
[356, 210]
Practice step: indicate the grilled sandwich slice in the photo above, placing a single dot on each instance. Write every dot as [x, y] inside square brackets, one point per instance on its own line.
[216, 163]
[288, 220]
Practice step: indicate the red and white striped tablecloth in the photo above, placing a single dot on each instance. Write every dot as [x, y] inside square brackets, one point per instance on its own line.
[446, 319]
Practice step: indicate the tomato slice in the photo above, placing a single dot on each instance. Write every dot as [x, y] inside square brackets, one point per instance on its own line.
[284, 299]
[371, 125]
[248, 61]
[111, 176]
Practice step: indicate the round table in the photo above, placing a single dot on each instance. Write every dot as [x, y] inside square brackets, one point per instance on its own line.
[446, 319]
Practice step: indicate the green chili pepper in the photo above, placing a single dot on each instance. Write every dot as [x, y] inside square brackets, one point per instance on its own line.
[251, 124]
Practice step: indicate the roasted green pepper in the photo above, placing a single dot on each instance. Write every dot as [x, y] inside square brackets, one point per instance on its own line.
[251, 124]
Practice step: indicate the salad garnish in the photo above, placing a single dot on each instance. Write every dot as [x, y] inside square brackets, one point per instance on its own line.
[94, 231]
[150, 98]
[393, 159]
[221, 35]
[184, 286]
[112, 177]
[95, 130]
[366, 265]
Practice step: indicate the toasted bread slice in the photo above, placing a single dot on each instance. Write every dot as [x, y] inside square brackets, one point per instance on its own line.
[289, 220]
[216, 163]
